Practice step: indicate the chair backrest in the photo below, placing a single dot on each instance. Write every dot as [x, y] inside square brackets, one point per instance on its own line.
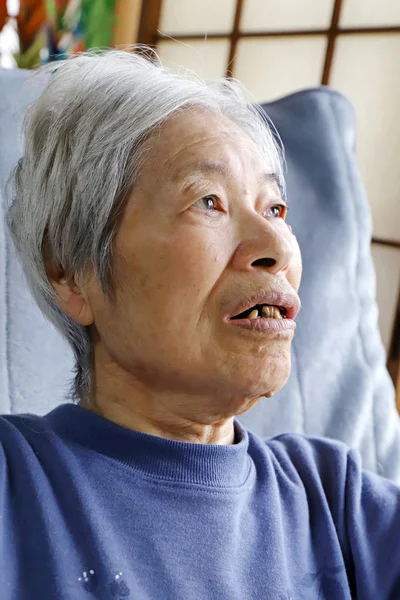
[339, 386]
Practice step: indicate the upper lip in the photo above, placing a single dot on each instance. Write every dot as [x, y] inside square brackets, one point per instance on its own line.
[288, 300]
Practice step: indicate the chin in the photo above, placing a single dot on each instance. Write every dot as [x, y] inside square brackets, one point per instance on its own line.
[268, 376]
[272, 386]
[247, 387]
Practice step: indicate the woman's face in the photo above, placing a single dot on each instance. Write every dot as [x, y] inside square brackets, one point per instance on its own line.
[204, 214]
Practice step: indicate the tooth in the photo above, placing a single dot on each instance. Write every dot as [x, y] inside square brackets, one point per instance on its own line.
[271, 312]
[253, 314]
[267, 312]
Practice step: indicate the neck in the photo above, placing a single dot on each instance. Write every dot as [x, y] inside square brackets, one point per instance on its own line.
[141, 403]
[154, 404]
[156, 420]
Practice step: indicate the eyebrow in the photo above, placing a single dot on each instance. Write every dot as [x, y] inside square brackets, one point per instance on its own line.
[270, 178]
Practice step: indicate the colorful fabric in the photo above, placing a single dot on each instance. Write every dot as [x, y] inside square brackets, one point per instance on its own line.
[30, 20]
[3, 13]
[54, 29]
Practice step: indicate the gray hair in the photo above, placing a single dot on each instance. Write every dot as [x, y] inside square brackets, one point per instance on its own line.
[85, 140]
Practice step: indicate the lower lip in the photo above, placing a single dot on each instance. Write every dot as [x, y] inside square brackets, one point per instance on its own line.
[264, 325]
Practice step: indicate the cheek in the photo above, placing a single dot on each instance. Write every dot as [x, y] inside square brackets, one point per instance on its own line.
[192, 261]
[170, 272]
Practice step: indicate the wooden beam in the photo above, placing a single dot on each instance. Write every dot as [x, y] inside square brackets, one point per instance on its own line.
[127, 21]
[383, 242]
[251, 34]
[149, 22]
[234, 38]
[398, 391]
[369, 30]
[332, 34]
[284, 33]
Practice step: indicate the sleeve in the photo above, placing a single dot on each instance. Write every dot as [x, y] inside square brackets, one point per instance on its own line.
[373, 525]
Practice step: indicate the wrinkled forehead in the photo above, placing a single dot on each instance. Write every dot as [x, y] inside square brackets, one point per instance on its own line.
[202, 138]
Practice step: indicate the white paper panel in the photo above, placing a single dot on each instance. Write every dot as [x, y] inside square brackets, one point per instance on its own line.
[197, 16]
[207, 59]
[273, 67]
[283, 15]
[370, 13]
[387, 266]
[366, 68]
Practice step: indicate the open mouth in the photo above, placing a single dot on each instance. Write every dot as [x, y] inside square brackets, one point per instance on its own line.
[263, 311]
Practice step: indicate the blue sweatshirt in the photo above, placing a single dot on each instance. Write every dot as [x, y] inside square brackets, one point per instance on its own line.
[93, 510]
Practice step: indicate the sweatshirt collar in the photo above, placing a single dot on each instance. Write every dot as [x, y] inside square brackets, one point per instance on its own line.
[211, 465]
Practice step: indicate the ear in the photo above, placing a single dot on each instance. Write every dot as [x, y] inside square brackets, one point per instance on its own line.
[72, 298]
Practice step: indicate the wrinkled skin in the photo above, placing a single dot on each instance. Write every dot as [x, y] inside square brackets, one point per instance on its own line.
[165, 361]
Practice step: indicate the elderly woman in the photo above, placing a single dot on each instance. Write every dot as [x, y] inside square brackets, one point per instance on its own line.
[148, 211]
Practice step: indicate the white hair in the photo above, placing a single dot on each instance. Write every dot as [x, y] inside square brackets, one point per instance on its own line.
[85, 140]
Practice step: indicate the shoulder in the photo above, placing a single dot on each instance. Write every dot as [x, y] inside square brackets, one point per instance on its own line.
[302, 449]
[22, 425]
[319, 463]
[21, 435]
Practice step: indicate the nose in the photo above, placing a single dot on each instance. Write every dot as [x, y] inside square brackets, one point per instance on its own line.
[265, 245]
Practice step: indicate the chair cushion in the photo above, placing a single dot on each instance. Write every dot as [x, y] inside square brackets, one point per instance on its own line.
[35, 361]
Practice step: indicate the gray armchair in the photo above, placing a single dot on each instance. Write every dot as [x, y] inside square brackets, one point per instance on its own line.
[339, 386]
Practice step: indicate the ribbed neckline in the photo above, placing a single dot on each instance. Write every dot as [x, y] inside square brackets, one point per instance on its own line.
[206, 464]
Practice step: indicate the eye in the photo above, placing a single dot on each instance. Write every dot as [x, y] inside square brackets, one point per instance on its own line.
[277, 211]
[208, 202]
